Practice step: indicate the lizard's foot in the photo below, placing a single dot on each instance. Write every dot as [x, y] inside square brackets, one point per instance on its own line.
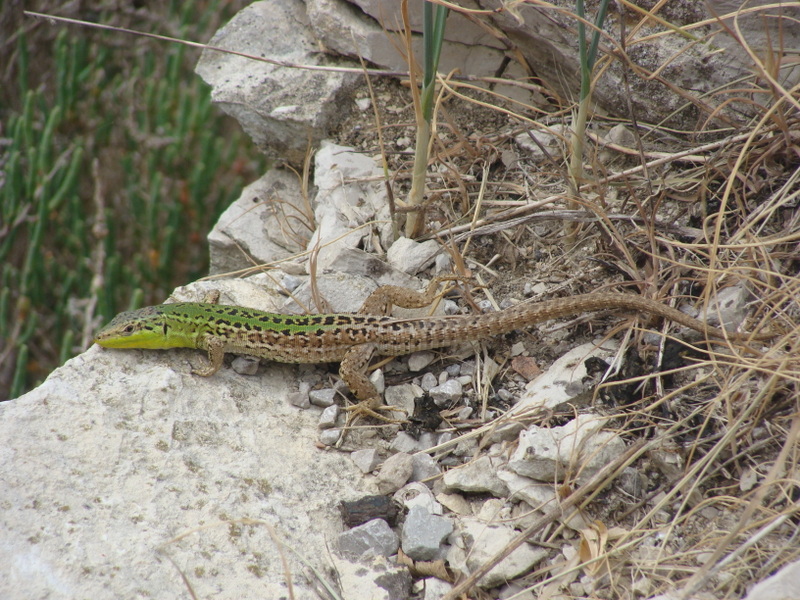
[205, 371]
[372, 408]
[367, 408]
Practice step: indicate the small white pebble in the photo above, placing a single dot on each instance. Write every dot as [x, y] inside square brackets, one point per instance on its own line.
[330, 436]
[328, 417]
[245, 365]
[428, 381]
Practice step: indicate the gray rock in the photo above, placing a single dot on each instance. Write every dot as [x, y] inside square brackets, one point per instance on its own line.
[484, 541]
[555, 453]
[540, 496]
[329, 417]
[478, 476]
[554, 140]
[424, 467]
[329, 437]
[517, 590]
[537, 494]
[366, 460]
[729, 308]
[423, 534]
[455, 503]
[506, 432]
[245, 365]
[783, 585]
[403, 443]
[373, 538]
[442, 264]
[551, 388]
[325, 397]
[377, 579]
[378, 380]
[447, 393]
[281, 109]
[632, 482]
[428, 381]
[428, 439]
[410, 256]
[357, 262]
[450, 307]
[394, 473]
[290, 282]
[417, 494]
[467, 47]
[419, 360]
[299, 399]
[350, 193]
[402, 396]
[467, 367]
[544, 37]
[342, 292]
[453, 370]
[435, 589]
[466, 412]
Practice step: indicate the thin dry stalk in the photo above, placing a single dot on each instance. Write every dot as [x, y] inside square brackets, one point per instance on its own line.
[584, 493]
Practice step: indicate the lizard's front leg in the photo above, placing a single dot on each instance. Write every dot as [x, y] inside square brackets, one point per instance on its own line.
[352, 370]
[212, 297]
[216, 352]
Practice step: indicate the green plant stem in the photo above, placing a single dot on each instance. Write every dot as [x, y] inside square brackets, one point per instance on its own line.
[433, 23]
[587, 57]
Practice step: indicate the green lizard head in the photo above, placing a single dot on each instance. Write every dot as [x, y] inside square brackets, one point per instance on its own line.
[143, 328]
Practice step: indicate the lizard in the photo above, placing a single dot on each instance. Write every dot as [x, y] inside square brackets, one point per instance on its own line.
[353, 338]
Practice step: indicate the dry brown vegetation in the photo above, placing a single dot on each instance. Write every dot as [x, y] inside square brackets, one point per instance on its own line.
[672, 215]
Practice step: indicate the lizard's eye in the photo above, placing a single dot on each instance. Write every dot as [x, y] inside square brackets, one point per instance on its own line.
[128, 329]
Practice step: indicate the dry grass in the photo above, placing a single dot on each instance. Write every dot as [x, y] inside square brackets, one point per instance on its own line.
[669, 219]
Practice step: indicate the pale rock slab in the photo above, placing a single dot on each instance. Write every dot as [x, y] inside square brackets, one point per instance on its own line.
[485, 541]
[783, 585]
[377, 579]
[554, 386]
[350, 202]
[373, 33]
[410, 256]
[477, 476]
[578, 449]
[546, 37]
[262, 226]
[122, 465]
[339, 292]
